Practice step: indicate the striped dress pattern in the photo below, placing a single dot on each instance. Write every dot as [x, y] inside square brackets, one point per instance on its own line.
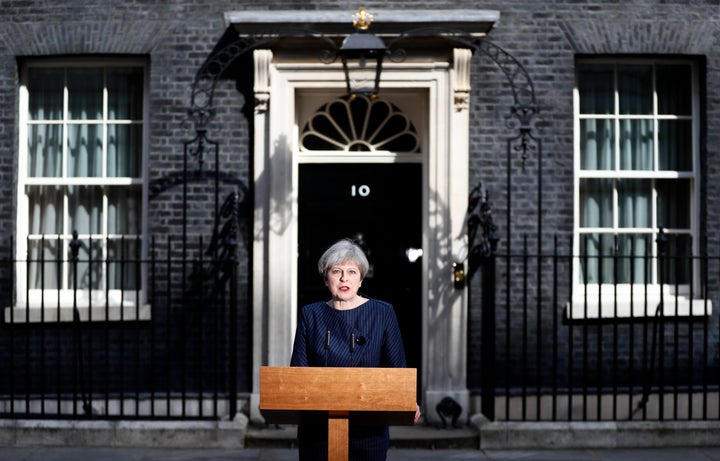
[366, 336]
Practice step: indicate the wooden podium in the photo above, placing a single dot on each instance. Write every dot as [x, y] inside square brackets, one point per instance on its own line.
[376, 395]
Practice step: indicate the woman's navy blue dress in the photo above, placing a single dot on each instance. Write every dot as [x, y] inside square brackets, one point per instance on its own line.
[324, 337]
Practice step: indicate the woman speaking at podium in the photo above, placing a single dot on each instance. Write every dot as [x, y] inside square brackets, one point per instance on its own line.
[349, 330]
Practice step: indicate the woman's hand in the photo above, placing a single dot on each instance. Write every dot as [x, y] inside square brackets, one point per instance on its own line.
[417, 413]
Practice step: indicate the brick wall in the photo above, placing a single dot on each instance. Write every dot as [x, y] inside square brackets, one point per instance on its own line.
[176, 37]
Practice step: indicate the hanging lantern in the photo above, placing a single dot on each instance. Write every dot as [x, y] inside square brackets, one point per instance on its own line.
[362, 55]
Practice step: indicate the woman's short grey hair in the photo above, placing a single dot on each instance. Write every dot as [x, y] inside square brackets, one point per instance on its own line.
[341, 252]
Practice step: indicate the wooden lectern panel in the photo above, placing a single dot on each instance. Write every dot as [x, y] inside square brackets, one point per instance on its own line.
[381, 395]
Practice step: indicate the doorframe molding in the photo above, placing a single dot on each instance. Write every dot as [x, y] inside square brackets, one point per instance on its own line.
[445, 195]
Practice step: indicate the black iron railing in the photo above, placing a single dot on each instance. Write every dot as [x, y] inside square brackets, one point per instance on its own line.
[177, 354]
[159, 343]
[547, 346]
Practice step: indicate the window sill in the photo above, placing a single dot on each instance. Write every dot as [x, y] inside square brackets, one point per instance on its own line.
[637, 307]
[126, 313]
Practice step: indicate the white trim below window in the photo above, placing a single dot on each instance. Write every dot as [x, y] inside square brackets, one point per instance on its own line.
[621, 302]
[95, 306]
[98, 313]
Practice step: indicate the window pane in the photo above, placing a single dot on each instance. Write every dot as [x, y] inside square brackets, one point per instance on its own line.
[634, 202]
[86, 150]
[595, 84]
[635, 88]
[597, 144]
[124, 264]
[45, 93]
[673, 199]
[85, 209]
[596, 202]
[596, 261]
[89, 266]
[677, 262]
[636, 144]
[124, 210]
[85, 94]
[125, 90]
[45, 151]
[675, 145]
[633, 262]
[674, 89]
[46, 210]
[124, 150]
[45, 267]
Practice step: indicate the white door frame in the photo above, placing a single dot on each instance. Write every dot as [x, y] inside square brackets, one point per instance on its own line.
[445, 196]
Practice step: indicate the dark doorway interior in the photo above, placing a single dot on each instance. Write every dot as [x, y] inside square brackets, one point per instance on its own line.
[380, 205]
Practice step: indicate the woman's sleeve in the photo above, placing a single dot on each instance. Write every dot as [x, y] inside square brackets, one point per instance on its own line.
[299, 354]
[393, 349]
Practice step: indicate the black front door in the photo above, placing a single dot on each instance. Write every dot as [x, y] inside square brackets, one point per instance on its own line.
[379, 206]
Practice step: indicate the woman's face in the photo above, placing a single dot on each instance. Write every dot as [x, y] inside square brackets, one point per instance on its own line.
[343, 280]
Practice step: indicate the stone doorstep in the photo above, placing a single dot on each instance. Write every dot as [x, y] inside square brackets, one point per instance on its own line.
[205, 434]
[480, 434]
[419, 436]
[162, 434]
[610, 434]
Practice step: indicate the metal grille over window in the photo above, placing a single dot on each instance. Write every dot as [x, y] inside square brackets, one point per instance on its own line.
[359, 125]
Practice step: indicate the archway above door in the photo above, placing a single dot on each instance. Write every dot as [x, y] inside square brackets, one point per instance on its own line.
[359, 124]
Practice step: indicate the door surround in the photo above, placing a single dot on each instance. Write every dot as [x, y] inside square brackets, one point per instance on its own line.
[446, 83]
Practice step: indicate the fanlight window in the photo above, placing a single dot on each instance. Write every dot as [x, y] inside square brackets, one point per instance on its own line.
[359, 124]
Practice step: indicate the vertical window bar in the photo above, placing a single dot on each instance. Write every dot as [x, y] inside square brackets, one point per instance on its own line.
[718, 335]
[555, 302]
[43, 360]
[122, 364]
[705, 342]
[615, 340]
[183, 325]
[90, 349]
[659, 335]
[108, 331]
[11, 333]
[76, 346]
[59, 362]
[538, 337]
[524, 364]
[218, 312]
[169, 321]
[28, 366]
[135, 273]
[199, 362]
[648, 358]
[631, 330]
[508, 375]
[691, 348]
[598, 340]
[153, 327]
[570, 340]
[676, 347]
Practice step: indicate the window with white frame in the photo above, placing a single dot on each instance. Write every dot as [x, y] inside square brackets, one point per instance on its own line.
[637, 183]
[80, 171]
